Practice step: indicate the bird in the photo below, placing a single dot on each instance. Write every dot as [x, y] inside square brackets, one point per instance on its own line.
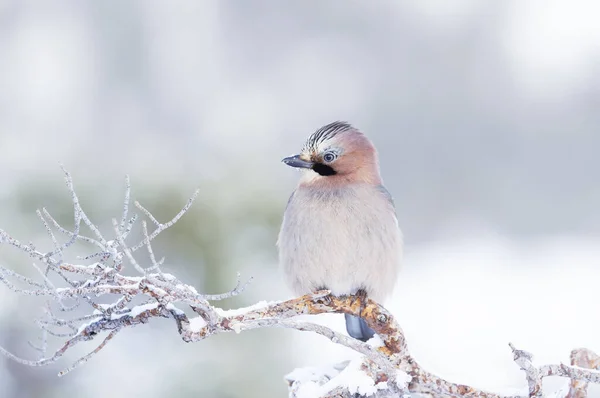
[340, 230]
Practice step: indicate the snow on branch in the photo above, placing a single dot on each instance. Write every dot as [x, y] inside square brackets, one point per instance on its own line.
[74, 313]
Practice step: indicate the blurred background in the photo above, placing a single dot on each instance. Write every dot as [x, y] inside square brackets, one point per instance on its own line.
[486, 116]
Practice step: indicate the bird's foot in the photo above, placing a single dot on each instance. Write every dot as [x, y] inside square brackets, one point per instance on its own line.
[361, 296]
[322, 293]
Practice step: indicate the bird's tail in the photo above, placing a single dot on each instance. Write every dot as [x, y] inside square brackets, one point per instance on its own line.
[358, 328]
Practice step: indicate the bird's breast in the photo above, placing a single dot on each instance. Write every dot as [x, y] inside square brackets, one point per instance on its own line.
[340, 239]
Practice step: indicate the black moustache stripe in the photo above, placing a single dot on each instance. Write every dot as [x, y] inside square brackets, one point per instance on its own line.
[323, 169]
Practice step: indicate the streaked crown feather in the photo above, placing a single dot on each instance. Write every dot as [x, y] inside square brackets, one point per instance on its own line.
[325, 133]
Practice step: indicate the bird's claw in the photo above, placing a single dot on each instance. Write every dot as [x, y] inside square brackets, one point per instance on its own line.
[320, 294]
[361, 295]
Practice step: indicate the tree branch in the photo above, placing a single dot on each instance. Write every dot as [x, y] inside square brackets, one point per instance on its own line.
[586, 359]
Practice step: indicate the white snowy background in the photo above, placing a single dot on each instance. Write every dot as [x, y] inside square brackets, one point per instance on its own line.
[486, 116]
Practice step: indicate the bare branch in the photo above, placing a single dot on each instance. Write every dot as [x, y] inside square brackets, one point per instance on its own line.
[125, 203]
[155, 265]
[126, 249]
[147, 213]
[161, 227]
[57, 247]
[5, 272]
[572, 372]
[535, 375]
[74, 235]
[91, 354]
[238, 289]
[79, 213]
[583, 358]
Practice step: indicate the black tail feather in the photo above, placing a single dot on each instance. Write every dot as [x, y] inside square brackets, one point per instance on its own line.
[358, 328]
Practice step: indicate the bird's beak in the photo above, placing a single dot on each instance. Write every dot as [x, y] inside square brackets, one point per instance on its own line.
[296, 161]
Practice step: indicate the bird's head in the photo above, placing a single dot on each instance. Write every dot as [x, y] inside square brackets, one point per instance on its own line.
[337, 152]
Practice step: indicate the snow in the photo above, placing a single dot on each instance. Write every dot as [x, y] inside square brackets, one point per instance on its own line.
[197, 323]
[239, 326]
[85, 325]
[157, 290]
[172, 307]
[316, 382]
[312, 373]
[240, 311]
[355, 380]
[167, 276]
[402, 379]
[184, 287]
[560, 393]
[135, 311]
[138, 309]
[192, 289]
[375, 341]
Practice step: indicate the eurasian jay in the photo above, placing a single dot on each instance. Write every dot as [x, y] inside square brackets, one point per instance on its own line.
[339, 229]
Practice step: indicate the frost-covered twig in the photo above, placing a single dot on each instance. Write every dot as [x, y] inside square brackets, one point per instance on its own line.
[583, 358]
[86, 282]
[161, 227]
[532, 374]
[357, 377]
[385, 369]
[578, 375]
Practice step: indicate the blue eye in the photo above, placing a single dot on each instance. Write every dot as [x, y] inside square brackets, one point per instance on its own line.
[329, 157]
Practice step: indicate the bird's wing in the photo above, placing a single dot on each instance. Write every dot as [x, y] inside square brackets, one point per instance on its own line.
[290, 199]
[390, 200]
[387, 195]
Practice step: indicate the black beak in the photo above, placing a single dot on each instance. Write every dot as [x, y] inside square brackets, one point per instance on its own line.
[295, 161]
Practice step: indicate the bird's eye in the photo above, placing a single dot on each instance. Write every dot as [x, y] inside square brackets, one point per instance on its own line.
[329, 157]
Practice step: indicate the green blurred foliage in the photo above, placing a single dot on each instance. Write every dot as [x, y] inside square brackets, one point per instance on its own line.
[205, 249]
